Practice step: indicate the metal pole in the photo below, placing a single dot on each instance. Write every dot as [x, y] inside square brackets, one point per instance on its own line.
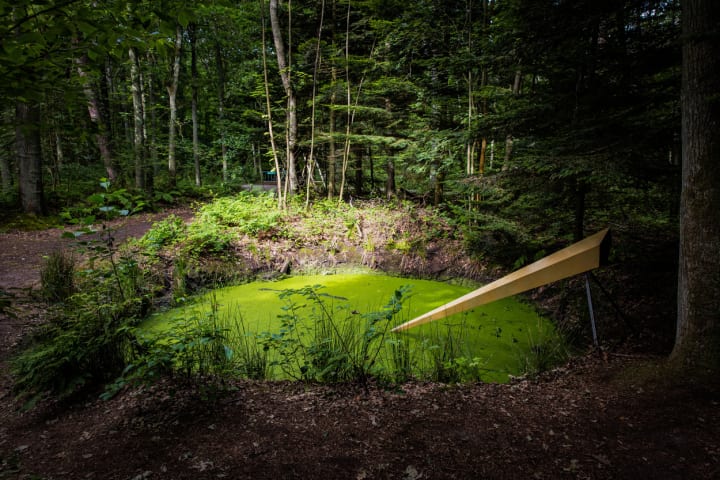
[590, 308]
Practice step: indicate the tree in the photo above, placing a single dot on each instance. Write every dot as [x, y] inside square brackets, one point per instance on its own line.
[27, 143]
[698, 324]
[172, 89]
[98, 115]
[285, 76]
[138, 118]
[192, 33]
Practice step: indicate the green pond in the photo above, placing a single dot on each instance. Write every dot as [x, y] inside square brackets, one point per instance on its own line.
[488, 343]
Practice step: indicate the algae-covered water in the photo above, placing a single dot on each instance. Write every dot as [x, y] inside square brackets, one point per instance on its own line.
[487, 343]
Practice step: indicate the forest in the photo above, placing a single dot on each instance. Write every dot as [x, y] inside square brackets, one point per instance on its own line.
[157, 154]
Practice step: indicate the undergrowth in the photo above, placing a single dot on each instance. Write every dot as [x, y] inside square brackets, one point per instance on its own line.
[95, 334]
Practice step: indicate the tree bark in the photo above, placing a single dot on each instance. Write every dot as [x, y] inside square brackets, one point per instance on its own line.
[150, 131]
[273, 146]
[221, 110]
[698, 325]
[291, 145]
[27, 145]
[390, 183]
[332, 153]
[5, 172]
[310, 182]
[194, 101]
[98, 118]
[138, 119]
[172, 89]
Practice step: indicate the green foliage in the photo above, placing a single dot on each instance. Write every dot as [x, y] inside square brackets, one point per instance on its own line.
[253, 215]
[84, 344]
[87, 339]
[206, 238]
[163, 234]
[57, 276]
[194, 350]
[107, 204]
[546, 351]
[337, 346]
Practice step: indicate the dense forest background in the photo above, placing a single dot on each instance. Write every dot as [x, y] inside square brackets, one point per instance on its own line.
[530, 120]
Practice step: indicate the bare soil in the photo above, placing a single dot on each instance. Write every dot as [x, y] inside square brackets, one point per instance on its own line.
[608, 414]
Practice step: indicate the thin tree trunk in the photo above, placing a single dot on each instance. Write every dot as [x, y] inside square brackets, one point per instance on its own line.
[151, 128]
[316, 66]
[390, 183]
[483, 149]
[138, 119]
[332, 154]
[221, 110]
[349, 115]
[508, 152]
[517, 84]
[697, 340]
[172, 89]
[29, 159]
[285, 76]
[97, 117]
[6, 173]
[359, 177]
[273, 145]
[194, 112]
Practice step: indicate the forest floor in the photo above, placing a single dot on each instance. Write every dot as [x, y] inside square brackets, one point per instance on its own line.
[611, 413]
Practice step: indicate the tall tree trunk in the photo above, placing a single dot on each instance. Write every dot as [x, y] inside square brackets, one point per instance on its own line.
[390, 182]
[172, 89]
[194, 113]
[517, 84]
[332, 153]
[150, 124]
[273, 145]
[6, 174]
[138, 119]
[97, 117]
[220, 64]
[698, 325]
[283, 66]
[359, 178]
[316, 67]
[27, 145]
[349, 111]
[483, 149]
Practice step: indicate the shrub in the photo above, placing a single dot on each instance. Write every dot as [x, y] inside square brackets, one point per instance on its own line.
[57, 276]
[83, 345]
[195, 350]
[164, 233]
[254, 215]
[333, 344]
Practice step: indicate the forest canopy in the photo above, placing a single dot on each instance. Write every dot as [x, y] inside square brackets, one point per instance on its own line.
[508, 109]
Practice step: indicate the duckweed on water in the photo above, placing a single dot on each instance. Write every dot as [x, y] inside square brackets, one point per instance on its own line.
[283, 318]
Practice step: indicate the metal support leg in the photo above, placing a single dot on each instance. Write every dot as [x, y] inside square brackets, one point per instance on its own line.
[590, 308]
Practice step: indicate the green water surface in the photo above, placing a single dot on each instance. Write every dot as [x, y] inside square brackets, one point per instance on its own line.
[499, 336]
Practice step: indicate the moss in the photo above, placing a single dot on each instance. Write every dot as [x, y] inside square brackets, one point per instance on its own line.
[29, 223]
[503, 338]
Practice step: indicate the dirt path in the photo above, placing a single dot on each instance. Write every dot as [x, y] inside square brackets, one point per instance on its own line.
[21, 257]
[21, 253]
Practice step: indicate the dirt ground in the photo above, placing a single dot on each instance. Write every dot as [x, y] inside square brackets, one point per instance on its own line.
[605, 415]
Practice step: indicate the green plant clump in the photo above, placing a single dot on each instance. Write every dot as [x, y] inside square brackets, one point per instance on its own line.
[324, 337]
[57, 276]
